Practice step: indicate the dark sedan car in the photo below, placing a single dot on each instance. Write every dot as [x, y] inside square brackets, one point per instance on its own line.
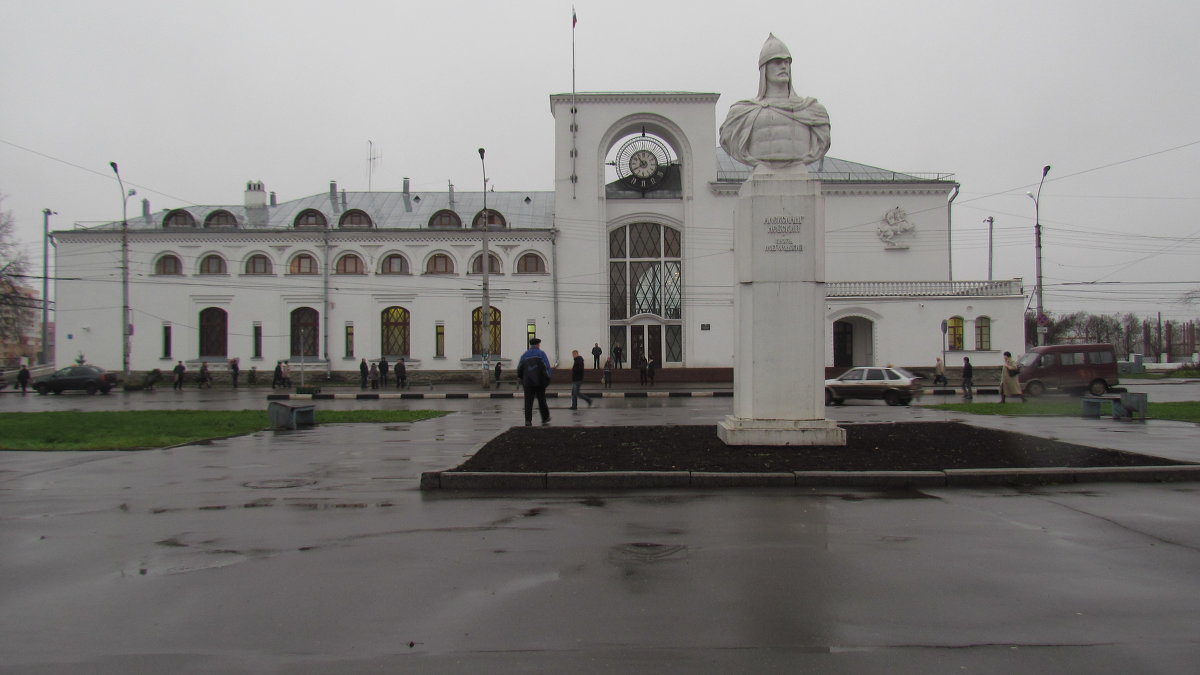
[895, 386]
[91, 379]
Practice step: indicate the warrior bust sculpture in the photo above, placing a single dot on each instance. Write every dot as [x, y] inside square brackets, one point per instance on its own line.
[777, 129]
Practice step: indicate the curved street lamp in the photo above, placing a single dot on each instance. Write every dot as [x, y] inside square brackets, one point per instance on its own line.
[126, 318]
[1037, 235]
[485, 338]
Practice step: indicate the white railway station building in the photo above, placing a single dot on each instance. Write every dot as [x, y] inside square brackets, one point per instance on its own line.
[620, 251]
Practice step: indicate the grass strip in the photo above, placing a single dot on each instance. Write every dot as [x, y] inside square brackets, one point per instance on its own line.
[146, 429]
[1183, 411]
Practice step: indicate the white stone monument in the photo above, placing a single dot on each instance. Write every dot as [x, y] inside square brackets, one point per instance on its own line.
[779, 248]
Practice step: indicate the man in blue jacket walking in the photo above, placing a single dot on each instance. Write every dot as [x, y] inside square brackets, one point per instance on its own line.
[533, 370]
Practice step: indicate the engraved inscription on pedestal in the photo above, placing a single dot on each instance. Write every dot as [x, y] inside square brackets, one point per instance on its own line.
[783, 228]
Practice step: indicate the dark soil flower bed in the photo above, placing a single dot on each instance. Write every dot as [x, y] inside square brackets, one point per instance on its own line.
[905, 446]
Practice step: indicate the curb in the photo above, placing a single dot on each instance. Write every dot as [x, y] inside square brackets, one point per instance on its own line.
[623, 480]
[488, 395]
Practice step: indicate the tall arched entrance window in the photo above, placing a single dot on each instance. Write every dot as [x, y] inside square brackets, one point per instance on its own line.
[394, 331]
[305, 323]
[645, 292]
[477, 331]
[214, 325]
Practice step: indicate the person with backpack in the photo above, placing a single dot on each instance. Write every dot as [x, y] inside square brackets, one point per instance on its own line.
[533, 370]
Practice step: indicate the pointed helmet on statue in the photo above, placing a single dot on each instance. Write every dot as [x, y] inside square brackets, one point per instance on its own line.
[773, 48]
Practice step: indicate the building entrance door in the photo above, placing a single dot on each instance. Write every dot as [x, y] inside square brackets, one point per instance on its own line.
[843, 344]
[645, 340]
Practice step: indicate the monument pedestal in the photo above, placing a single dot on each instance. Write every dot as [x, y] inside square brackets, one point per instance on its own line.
[779, 373]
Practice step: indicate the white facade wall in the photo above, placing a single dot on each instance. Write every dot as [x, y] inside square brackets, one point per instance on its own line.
[89, 296]
[895, 320]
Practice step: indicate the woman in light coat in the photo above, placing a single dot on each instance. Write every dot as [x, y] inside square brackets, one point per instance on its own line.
[1009, 383]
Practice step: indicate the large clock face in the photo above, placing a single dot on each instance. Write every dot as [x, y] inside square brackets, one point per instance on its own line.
[642, 163]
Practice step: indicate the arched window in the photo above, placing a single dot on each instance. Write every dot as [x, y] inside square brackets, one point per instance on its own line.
[494, 219]
[258, 264]
[445, 219]
[214, 325]
[394, 264]
[477, 331]
[439, 263]
[394, 331]
[212, 264]
[645, 284]
[168, 264]
[983, 333]
[350, 264]
[220, 218]
[310, 218]
[493, 267]
[531, 263]
[305, 322]
[355, 218]
[954, 333]
[303, 264]
[179, 218]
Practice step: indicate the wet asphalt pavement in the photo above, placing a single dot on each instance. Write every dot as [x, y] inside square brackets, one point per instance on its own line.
[314, 552]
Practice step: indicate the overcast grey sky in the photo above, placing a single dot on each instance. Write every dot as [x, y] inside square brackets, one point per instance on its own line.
[194, 99]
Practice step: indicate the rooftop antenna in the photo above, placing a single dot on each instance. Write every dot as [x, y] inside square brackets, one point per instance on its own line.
[372, 158]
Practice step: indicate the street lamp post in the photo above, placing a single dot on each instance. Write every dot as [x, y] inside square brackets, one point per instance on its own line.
[990, 221]
[126, 318]
[486, 263]
[1037, 235]
[46, 213]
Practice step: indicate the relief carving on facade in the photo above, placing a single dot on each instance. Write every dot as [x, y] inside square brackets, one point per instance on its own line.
[895, 230]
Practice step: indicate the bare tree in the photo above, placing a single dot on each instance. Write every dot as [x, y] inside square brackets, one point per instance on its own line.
[17, 301]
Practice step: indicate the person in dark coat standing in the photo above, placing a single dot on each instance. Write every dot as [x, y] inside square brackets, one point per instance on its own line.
[643, 375]
[363, 371]
[402, 374]
[499, 371]
[23, 379]
[617, 352]
[383, 371]
[596, 352]
[179, 370]
[968, 378]
[577, 381]
[650, 371]
[533, 370]
[277, 376]
[235, 369]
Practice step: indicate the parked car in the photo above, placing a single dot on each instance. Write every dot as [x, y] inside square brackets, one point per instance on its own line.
[895, 386]
[1069, 368]
[91, 379]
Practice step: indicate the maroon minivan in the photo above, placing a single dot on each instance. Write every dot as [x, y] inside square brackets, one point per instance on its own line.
[1070, 368]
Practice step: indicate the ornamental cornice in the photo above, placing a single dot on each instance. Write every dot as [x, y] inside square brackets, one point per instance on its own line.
[638, 97]
[729, 189]
[307, 237]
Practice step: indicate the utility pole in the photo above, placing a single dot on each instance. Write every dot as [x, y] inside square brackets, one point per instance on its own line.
[485, 339]
[46, 213]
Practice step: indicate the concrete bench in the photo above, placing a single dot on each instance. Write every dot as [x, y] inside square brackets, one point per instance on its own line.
[1124, 405]
[285, 415]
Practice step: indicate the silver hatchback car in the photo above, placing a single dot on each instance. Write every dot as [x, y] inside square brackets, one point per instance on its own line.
[894, 386]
